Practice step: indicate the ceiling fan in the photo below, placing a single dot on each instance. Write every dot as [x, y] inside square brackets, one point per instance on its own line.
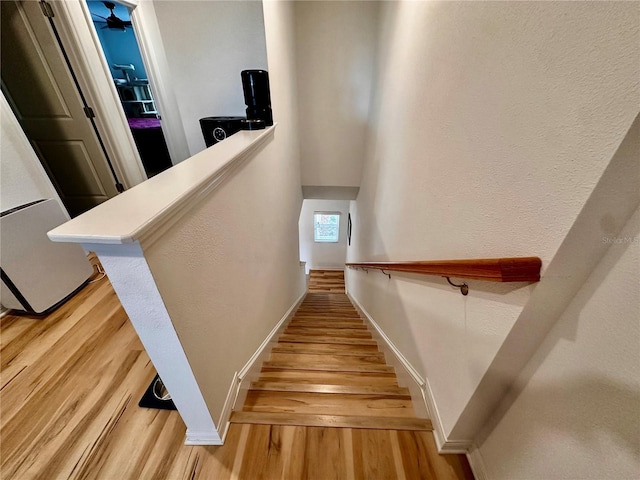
[113, 22]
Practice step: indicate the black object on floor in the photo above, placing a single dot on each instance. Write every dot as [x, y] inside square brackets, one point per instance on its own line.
[152, 398]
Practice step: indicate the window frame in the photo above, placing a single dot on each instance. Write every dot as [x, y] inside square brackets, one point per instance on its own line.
[320, 212]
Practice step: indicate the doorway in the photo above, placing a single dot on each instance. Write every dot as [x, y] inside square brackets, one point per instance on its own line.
[112, 22]
[51, 109]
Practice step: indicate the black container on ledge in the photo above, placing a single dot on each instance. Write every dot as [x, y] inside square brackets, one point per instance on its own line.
[216, 129]
[257, 96]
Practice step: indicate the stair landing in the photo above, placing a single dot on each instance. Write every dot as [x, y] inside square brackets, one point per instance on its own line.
[326, 281]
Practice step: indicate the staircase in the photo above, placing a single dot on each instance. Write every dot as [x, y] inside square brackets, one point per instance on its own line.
[327, 371]
[330, 281]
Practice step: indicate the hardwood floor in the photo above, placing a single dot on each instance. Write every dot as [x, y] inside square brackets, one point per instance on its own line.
[70, 384]
[331, 281]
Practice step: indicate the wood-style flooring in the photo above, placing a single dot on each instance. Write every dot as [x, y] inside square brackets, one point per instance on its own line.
[70, 384]
[329, 281]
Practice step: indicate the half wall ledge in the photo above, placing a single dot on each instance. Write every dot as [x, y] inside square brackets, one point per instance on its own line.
[146, 210]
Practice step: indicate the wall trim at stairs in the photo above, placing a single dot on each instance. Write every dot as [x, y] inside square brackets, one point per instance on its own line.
[476, 462]
[232, 394]
[418, 386]
[251, 370]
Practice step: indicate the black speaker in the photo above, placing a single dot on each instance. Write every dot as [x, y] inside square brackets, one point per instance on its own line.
[216, 129]
[257, 96]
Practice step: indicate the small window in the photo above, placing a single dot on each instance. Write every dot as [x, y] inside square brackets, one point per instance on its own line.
[326, 226]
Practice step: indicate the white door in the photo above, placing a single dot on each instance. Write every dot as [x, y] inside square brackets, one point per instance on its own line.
[43, 95]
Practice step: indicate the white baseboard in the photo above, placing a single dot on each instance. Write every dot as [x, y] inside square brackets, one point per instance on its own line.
[232, 395]
[443, 443]
[408, 376]
[203, 438]
[476, 462]
[261, 349]
[242, 379]
[419, 387]
[4, 311]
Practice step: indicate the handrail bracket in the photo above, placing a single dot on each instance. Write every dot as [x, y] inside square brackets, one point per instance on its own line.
[464, 288]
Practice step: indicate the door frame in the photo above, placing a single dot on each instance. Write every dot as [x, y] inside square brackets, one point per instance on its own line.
[77, 32]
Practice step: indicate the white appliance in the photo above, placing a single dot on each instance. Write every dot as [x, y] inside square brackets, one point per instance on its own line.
[37, 274]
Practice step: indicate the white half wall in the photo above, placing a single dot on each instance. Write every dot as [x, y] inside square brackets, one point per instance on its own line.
[323, 255]
[207, 45]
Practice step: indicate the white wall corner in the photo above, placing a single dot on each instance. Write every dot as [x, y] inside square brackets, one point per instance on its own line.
[424, 402]
[476, 462]
[408, 376]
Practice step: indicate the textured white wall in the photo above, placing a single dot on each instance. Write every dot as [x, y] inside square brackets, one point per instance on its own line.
[580, 393]
[230, 269]
[335, 51]
[22, 176]
[322, 255]
[207, 45]
[492, 124]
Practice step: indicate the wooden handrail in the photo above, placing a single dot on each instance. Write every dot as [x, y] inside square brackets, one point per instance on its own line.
[523, 269]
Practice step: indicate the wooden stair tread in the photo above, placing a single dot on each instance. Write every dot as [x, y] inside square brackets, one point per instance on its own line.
[287, 337]
[328, 403]
[314, 326]
[373, 368]
[331, 325]
[342, 332]
[329, 348]
[327, 388]
[327, 359]
[330, 320]
[329, 378]
[320, 311]
[336, 421]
